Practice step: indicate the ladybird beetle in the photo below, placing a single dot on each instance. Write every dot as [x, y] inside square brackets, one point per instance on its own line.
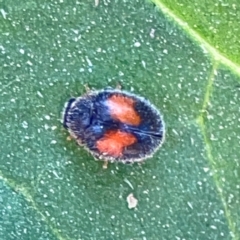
[114, 125]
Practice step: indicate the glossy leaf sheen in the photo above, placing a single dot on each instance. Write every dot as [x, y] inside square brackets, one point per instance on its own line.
[51, 188]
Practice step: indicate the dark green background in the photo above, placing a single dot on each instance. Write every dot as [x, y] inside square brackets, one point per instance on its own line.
[52, 189]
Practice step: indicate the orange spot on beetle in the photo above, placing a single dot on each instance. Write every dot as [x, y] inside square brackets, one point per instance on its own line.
[122, 109]
[113, 142]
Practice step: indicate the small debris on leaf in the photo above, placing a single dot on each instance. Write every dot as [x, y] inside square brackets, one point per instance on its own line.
[128, 183]
[132, 201]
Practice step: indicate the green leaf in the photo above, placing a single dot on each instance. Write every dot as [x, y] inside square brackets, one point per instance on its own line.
[53, 189]
[217, 22]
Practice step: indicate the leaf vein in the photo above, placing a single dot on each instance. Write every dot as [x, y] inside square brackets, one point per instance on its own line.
[212, 51]
[201, 123]
[29, 199]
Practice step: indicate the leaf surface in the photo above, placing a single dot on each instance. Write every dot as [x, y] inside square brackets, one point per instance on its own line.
[53, 189]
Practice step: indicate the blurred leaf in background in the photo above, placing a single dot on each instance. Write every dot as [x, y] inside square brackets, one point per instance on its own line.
[178, 56]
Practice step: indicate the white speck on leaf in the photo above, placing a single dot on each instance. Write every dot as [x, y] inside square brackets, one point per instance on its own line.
[137, 44]
[39, 94]
[89, 62]
[152, 32]
[29, 63]
[4, 14]
[128, 183]
[205, 169]
[25, 124]
[121, 73]
[213, 227]
[56, 175]
[175, 132]
[76, 31]
[132, 201]
[47, 117]
[21, 51]
[144, 64]
[47, 213]
[165, 51]
[96, 3]
[190, 205]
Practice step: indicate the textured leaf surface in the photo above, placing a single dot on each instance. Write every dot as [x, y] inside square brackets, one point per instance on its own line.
[216, 21]
[51, 188]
